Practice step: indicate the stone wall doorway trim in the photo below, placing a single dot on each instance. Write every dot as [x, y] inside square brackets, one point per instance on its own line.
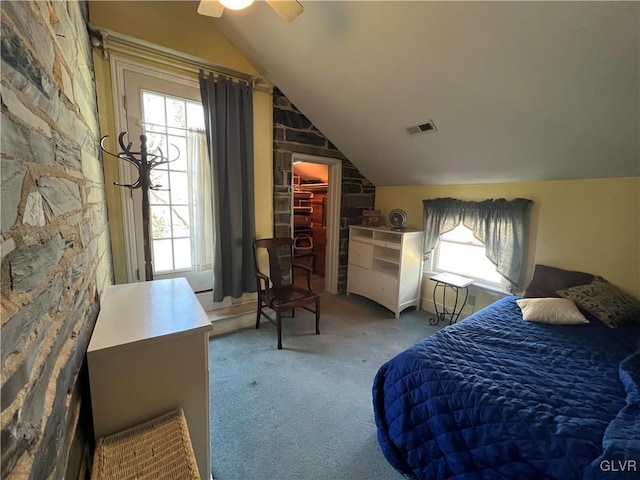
[333, 215]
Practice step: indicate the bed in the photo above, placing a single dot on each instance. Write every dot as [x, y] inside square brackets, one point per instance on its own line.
[495, 396]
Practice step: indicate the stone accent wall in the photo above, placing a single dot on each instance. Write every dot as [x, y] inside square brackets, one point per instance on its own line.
[55, 243]
[294, 133]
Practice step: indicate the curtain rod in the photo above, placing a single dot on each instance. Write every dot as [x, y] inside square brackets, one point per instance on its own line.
[140, 123]
[109, 40]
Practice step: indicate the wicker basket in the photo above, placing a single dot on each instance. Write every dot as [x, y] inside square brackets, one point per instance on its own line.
[302, 244]
[159, 449]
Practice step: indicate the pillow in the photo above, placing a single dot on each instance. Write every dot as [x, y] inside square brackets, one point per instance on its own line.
[558, 311]
[547, 281]
[605, 301]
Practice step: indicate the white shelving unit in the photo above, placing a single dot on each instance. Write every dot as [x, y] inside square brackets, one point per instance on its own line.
[386, 266]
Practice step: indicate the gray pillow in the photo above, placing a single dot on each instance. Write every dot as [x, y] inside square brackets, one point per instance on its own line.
[547, 281]
[605, 301]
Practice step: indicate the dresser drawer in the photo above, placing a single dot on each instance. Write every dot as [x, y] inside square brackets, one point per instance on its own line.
[383, 289]
[360, 254]
[376, 286]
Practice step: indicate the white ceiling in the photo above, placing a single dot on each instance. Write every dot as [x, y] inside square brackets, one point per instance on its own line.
[519, 91]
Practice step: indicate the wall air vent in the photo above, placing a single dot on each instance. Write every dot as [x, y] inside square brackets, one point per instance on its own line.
[425, 127]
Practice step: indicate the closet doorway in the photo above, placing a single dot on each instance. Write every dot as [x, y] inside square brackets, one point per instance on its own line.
[316, 216]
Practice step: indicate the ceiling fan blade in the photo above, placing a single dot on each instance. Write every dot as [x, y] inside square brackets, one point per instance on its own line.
[287, 9]
[210, 8]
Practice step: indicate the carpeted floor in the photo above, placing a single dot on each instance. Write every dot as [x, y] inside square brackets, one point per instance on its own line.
[305, 412]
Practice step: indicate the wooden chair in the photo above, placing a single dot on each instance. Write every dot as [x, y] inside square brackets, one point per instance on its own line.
[277, 290]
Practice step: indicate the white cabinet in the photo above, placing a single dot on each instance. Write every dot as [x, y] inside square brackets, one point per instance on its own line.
[386, 266]
[149, 353]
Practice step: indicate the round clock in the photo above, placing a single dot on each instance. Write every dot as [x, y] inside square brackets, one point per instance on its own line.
[397, 218]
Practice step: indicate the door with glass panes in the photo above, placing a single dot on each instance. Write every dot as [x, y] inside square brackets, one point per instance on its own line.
[167, 112]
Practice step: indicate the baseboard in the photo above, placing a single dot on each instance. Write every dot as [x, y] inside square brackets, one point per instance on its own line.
[231, 319]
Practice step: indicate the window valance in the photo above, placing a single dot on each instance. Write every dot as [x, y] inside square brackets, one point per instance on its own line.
[499, 224]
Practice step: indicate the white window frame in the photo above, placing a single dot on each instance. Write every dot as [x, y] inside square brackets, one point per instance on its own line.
[432, 258]
[168, 168]
[118, 67]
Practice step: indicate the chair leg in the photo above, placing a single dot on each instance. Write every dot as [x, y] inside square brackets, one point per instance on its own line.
[259, 312]
[279, 328]
[317, 316]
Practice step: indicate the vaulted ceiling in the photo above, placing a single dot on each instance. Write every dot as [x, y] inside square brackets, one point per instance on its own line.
[518, 91]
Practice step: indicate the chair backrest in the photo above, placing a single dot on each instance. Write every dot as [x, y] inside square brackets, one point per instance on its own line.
[280, 257]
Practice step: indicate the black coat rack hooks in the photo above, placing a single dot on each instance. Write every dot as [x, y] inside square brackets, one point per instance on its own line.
[144, 162]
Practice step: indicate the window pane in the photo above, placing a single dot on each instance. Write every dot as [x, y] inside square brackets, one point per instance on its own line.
[159, 197]
[179, 188]
[161, 179]
[461, 234]
[195, 116]
[153, 128]
[156, 143]
[160, 222]
[182, 249]
[162, 256]
[153, 107]
[176, 131]
[176, 113]
[178, 148]
[180, 218]
[164, 166]
[466, 260]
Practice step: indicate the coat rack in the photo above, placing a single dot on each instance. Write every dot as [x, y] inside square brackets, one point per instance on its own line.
[144, 163]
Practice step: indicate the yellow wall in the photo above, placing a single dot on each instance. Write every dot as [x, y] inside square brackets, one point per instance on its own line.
[173, 24]
[176, 25]
[587, 225]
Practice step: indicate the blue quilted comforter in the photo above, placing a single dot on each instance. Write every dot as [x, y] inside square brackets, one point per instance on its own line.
[497, 397]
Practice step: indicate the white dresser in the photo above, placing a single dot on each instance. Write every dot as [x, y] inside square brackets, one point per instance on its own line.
[386, 266]
[149, 353]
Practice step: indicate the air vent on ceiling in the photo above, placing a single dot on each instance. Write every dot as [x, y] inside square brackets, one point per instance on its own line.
[425, 127]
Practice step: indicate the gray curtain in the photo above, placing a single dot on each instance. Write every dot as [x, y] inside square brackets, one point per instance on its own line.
[440, 216]
[228, 114]
[499, 224]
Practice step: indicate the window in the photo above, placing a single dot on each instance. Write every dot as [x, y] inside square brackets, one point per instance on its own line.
[499, 224]
[167, 109]
[167, 122]
[458, 251]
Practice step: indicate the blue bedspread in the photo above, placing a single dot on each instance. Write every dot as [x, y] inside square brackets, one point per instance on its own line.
[497, 397]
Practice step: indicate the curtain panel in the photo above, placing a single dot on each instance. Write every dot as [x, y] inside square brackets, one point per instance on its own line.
[441, 215]
[201, 211]
[228, 111]
[499, 224]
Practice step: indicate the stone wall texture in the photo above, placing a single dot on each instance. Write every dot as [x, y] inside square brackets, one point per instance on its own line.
[55, 245]
[294, 133]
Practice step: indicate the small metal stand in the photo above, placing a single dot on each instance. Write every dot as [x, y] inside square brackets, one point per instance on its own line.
[144, 163]
[456, 283]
